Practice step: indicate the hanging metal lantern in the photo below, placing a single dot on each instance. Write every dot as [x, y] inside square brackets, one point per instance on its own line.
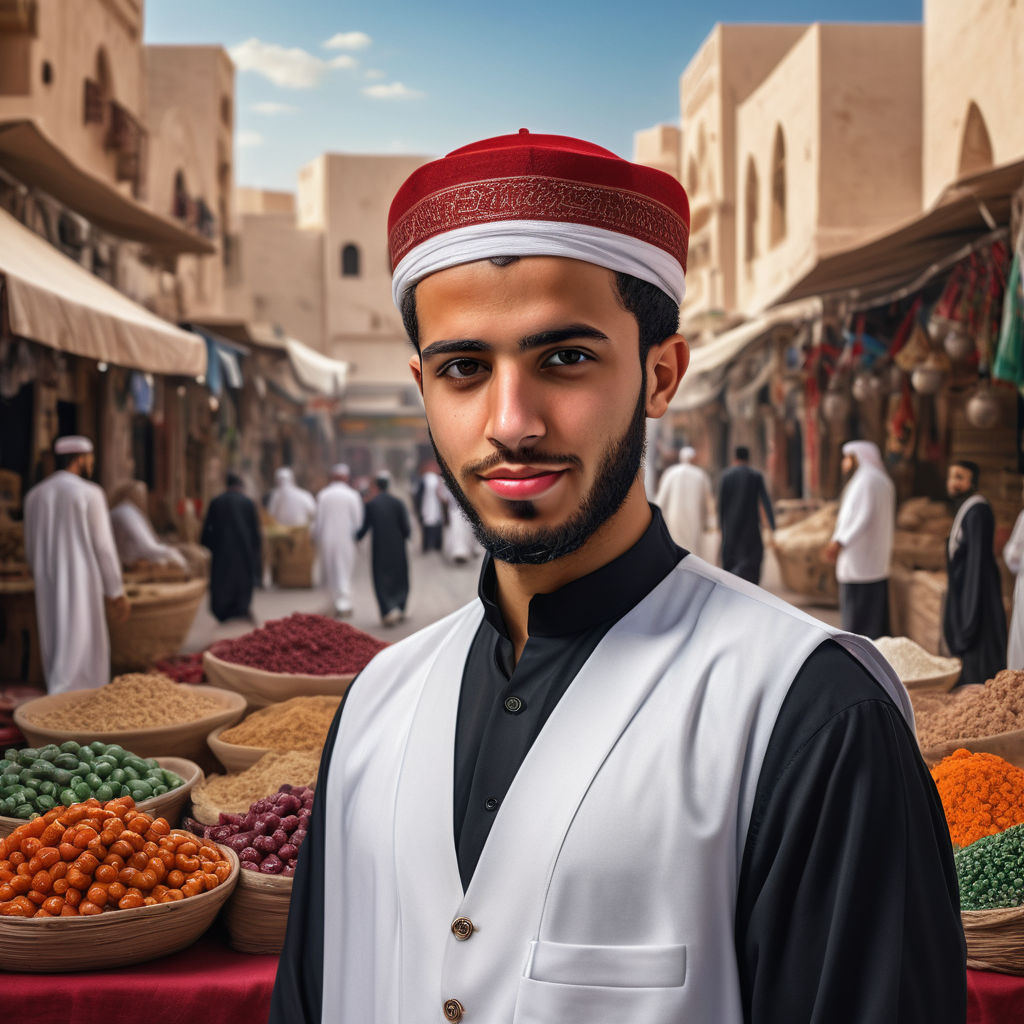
[982, 408]
[958, 343]
[861, 387]
[925, 379]
[835, 406]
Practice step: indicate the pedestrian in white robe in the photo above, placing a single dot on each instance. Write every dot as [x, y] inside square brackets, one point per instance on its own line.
[1013, 556]
[861, 544]
[460, 544]
[686, 500]
[289, 504]
[339, 514]
[70, 547]
[133, 534]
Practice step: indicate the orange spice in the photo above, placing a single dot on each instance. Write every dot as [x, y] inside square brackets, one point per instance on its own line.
[982, 794]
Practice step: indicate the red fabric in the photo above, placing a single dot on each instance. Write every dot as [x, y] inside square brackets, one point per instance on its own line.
[207, 982]
[994, 998]
[539, 177]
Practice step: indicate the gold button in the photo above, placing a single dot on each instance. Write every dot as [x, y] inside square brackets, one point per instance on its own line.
[453, 1010]
[462, 928]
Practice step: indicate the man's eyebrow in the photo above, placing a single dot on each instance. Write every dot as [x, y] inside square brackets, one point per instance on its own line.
[551, 337]
[442, 348]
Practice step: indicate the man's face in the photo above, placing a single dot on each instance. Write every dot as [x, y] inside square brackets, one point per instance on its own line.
[958, 481]
[849, 464]
[531, 380]
[86, 463]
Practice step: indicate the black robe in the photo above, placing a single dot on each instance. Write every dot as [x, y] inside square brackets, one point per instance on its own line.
[974, 619]
[388, 519]
[231, 531]
[740, 491]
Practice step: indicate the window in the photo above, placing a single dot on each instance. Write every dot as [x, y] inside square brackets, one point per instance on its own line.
[778, 219]
[349, 260]
[750, 213]
[976, 146]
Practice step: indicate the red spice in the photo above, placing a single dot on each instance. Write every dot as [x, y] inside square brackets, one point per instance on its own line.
[182, 668]
[311, 645]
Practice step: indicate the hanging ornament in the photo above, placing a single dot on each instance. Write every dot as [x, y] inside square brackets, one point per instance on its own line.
[927, 377]
[958, 343]
[983, 407]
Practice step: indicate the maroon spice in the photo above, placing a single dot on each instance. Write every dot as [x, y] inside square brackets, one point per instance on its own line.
[309, 645]
[182, 668]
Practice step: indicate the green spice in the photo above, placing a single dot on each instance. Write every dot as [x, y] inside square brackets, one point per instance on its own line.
[991, 871]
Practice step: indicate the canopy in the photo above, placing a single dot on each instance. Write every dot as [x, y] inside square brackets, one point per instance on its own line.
[27, 152]
[317, 372]
[56, 302]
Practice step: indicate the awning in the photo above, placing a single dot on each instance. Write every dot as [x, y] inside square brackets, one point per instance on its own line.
[29, 154]
[970, 208]
[317, 372]
[54, 301]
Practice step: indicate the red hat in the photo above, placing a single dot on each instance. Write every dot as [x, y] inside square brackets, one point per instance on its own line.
[540, 195]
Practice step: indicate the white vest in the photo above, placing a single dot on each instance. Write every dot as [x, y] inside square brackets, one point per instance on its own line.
[607, 887]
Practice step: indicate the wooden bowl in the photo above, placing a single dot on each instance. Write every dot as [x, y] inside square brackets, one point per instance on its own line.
[257, 913]
[168, 805]
[187, 739]
[234, 756]
[941, 683]
[262, 688]
[44, 945]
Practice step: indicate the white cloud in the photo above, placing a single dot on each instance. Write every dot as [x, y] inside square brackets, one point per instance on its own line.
[343, 60]
[348, 41]
[274, 108]
[376, 73]
[292, 67]
[392, 91]
[247, 140]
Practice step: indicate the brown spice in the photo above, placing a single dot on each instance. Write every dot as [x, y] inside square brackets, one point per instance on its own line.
[301, 723]
[973, 711]
[232, 794]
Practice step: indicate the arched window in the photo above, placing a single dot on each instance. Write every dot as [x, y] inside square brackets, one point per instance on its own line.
[976, 146]
[750, 220]
[180, 199]
[225, 111]
[778, 221]
[349, 260]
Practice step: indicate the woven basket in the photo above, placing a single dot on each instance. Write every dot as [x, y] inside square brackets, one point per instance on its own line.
[44, 945]
[233, 756]
[257, 913]
[162, 614]
[1007, 745]
[995, 939]
[187, 739]
[261, 688]
[292, 556]
[168, 805]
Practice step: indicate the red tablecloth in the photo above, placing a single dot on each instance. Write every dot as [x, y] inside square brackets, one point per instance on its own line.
[994, 998]
[207, 982]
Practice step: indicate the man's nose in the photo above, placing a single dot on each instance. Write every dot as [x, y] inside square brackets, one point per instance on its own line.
[515, 417]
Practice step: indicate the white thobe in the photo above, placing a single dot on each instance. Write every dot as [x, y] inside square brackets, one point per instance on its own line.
[70, 547]
[865, 525]
[1013, 556]
[685, 498]
[290, 505]
[135, 539]
[339, 514]
[460, 544]
[431, 509]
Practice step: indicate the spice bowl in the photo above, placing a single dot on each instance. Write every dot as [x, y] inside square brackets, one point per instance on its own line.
[233, 756]
[257, 913]
[261, 688]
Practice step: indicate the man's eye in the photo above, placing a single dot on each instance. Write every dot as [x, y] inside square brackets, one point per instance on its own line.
[460, 369]
[567, 357]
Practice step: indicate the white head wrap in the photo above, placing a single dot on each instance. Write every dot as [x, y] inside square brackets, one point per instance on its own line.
[341, 469]
[284, 476]
[72, 444]
[687, 454]
[866, 453]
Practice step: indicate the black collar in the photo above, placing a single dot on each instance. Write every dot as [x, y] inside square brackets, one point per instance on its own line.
[601, 596]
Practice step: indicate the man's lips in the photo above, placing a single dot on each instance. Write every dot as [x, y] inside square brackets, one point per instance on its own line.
[522, 483]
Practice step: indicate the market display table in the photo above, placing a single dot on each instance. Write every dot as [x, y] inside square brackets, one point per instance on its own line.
[994, 998]
[207, 982]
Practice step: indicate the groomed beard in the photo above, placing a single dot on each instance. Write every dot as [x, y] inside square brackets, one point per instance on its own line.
[619, 467]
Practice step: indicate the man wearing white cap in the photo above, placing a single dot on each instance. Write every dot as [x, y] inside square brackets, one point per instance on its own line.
[339, 514]
[861, 544]
[290, 504]
[622, 785]
[686, 501]
[70, 547]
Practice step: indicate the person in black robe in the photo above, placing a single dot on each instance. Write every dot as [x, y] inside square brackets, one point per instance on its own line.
[387, 518]
[740, 491]
[973, 618]
[231, 530]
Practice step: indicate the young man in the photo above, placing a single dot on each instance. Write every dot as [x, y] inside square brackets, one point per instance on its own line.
[741, 496]
[339, 515]
[70, 547]
[387, 519]
[973, 620]
[686, 500]
[861, 544]
[231, 531]
[623, 785]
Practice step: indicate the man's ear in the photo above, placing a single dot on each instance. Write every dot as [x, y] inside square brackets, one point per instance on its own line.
[416, 368]
[666, 365]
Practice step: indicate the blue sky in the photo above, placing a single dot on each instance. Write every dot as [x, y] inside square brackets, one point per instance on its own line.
[398, 76]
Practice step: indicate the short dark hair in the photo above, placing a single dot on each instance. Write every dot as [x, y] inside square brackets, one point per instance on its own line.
[382, 481]
[63, 461]
[742, 453]
[657, 315]
[972, 467]
[234, 480]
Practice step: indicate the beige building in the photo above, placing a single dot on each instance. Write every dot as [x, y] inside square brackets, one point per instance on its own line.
[973, 89]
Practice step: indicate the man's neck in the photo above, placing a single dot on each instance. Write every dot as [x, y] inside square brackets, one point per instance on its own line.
[517, 584]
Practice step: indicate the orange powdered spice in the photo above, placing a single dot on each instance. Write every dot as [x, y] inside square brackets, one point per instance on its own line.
[981, 794]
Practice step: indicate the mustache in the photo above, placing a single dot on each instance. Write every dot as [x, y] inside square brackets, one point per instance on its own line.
[521, 457]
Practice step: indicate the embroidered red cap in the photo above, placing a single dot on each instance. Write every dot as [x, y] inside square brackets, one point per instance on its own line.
[532, 195]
